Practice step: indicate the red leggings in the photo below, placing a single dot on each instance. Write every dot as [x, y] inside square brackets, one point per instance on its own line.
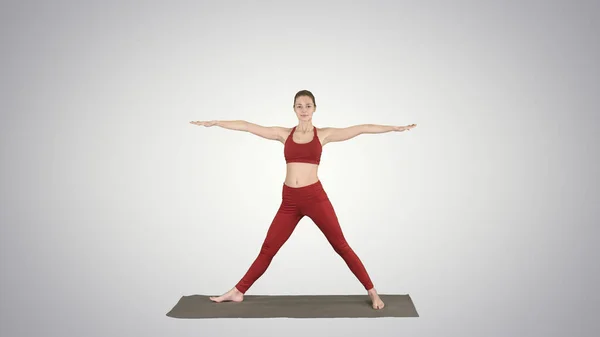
[313, 202]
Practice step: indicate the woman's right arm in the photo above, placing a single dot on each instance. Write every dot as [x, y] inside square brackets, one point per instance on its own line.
[268, 132]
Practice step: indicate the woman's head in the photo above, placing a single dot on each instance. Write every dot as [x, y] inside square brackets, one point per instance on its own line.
[304, 105]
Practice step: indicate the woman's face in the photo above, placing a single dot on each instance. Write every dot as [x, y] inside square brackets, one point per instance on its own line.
[304, 108]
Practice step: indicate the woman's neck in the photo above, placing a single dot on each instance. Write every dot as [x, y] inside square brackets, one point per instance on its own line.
[305, 126]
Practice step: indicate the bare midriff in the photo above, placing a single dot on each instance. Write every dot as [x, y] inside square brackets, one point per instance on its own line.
[301, 174]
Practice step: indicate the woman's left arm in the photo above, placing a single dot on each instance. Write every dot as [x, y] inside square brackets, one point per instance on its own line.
[342, 134]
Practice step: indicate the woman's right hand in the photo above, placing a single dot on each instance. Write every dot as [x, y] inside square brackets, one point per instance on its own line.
[204, 123]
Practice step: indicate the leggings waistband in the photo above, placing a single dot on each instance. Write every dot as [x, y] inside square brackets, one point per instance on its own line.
[314, 187]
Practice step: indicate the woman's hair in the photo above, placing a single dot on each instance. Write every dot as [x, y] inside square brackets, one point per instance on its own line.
[305, 93]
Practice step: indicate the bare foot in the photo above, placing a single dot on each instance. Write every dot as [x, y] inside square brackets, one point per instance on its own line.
[377, 302]
[232, 295]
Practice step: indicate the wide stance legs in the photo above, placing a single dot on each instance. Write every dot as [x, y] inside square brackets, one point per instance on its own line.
[311, 201]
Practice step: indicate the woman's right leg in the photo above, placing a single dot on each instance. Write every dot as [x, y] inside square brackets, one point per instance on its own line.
[280, 230]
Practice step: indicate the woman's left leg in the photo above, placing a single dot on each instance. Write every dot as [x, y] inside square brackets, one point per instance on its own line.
[323, 215]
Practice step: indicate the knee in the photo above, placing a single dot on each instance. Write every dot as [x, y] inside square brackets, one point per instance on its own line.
[267, 251]
[342, 247]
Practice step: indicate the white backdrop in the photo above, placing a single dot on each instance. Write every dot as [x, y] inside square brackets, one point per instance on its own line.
[114, 206]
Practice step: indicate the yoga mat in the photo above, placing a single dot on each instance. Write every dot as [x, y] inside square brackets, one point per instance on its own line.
[305, 306]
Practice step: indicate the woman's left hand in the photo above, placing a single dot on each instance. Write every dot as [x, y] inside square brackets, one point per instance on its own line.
[404, 128]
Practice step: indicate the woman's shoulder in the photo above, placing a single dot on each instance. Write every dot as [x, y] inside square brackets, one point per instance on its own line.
[285, 132]
[323, 130]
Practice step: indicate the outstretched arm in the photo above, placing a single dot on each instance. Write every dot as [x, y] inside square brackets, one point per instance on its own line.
[342, 134]
[267, 132]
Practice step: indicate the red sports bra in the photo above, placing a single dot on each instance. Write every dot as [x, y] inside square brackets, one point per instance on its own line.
[303, 153]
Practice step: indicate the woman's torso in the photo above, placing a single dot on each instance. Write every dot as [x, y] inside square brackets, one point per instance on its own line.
[302, 174]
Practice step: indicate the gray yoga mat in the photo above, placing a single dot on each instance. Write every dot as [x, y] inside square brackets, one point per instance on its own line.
[305, 306]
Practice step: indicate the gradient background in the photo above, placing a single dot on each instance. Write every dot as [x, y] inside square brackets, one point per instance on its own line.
[114, 206]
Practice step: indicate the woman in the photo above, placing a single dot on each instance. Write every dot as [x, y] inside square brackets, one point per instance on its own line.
[303, 194]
